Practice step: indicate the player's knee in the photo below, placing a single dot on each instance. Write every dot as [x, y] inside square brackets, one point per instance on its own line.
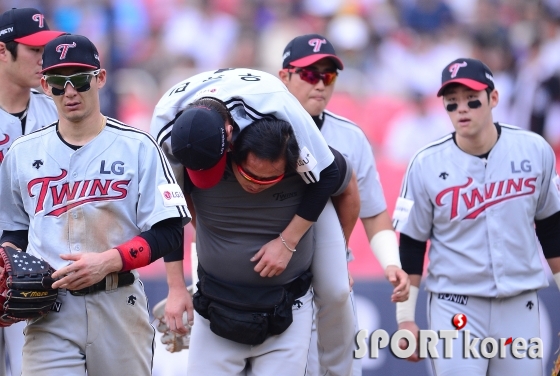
[337, 295]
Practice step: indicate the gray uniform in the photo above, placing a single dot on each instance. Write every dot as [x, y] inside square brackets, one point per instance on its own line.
[88, 200]
[479, 217]
[41, 111]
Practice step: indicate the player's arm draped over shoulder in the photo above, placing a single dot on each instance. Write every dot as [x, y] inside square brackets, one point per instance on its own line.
[25, 286]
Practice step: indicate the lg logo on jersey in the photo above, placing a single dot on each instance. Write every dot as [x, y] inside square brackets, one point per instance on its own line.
[116, 168]
[525, 166]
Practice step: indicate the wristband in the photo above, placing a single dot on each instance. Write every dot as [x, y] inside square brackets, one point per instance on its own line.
[286, 245]
[406, 310]
[557, 279]
[386, 248]
[135, 253]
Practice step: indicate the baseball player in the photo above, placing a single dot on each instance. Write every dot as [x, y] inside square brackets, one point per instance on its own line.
[309, 70]
[234, 218]
[249, 95]
[23, 33]
[479, 195]
[96, 199]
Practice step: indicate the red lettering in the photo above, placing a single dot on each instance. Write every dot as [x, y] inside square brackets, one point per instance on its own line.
[116, 186]
[65, 193]
[511, 184]
[530, 183]
[488, 191]
[44, 184]
[475, 196]
[103, 188]
[454, 197]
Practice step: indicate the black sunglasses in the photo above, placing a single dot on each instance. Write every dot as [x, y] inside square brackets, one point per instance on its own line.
[79, 81]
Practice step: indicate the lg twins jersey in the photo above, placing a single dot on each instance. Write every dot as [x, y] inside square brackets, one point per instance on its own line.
[86, 200]
[480, 216]
[350, 140]
[41, 112]
[249, 95]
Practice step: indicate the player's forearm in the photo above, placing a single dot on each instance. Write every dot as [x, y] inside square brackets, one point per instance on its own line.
[347, 206]
[554, 264]
[175, 276]
[295, 230]
[406, 310]
[379, 222]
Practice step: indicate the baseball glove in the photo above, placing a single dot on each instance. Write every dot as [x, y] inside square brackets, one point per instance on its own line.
[25, 287]
[173, 342]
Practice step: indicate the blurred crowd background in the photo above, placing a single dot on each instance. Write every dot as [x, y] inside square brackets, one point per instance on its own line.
[393, 51]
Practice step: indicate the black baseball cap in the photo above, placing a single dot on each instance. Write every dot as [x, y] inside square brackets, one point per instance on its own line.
[26, 26]
[198, 141]
[70, 50]
[307, 49]
[469, 72]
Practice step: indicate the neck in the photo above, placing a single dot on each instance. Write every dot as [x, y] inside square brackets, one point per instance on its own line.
[13, 98]
[80, 133]
[480, 143]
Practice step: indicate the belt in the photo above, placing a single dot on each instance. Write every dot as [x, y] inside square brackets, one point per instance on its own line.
[111, 282]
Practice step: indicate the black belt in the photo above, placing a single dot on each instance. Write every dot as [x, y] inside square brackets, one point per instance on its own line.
[107, 284]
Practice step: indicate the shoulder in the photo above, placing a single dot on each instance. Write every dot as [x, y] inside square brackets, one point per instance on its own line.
[40, 98]
[127, 131]
[432, 151]
[30, 138]
[343, 123]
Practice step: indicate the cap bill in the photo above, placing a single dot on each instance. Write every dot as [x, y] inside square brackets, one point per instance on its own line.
[40, 38]
[311, 59]
[69, 65]
[208, 178]
[471, 84]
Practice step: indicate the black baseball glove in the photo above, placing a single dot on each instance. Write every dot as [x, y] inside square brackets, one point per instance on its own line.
[25, 287]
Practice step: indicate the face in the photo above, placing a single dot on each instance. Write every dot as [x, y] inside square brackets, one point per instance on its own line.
[470, 111]
[261, 170]
[25, 71]
[313, 97]
[74, 105]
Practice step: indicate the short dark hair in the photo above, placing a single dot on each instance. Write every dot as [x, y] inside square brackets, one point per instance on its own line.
[12, 47]
[268, 139]
[213, 104]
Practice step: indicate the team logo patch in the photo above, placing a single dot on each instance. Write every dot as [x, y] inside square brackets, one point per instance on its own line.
[172, 195]
[297, 304]
[306, 161]
[131, 300]
[443, 175]
[460, 299]
[530, 305]
[402, 209]
[37, 163]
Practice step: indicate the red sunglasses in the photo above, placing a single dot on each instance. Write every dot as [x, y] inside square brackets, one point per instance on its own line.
[313, 77]
[266, 181]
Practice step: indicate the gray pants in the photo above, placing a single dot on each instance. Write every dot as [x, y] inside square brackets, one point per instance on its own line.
[11, 344]
[105, 333]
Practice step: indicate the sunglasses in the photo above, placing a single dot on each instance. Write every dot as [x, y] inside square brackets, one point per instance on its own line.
[79, 81]
[266, 181]
[472, 105]
[313, 77]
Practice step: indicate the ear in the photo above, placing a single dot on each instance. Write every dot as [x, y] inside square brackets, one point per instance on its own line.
[4, 53]
[284, 76]
[101, 78]
[229, 132]
[46, 88]
[494, 98]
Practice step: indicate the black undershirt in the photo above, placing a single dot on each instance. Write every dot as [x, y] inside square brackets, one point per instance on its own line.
[22, 116]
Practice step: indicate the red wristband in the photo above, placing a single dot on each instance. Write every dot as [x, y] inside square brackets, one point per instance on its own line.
[135, 253]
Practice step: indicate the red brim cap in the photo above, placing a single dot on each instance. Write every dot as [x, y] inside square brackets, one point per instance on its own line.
[69, 65]
[311, 59]
[208, 178]
[471, 84]
[39, 39]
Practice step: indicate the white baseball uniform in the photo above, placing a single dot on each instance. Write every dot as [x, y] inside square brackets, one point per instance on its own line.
[250, 95]
[479, 215]
[346, 137]
[88, 200]
[40, 112]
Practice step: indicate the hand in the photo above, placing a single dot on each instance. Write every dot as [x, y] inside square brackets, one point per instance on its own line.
[273, 258]
[399, 279]
[86, 269]
[412, 327]
[179, 301]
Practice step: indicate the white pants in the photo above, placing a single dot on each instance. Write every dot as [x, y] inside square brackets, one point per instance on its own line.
[284, 354]
[514, 317]
[11, 345]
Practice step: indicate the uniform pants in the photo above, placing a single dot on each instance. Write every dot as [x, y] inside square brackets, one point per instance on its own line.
[284, 354]
[11, 344]
[105, 333]
[514, 317]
